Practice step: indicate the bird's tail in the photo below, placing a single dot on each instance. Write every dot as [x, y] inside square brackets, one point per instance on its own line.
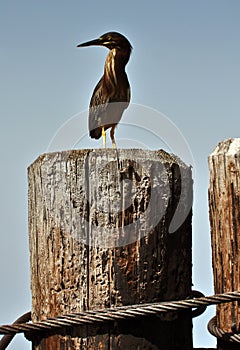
[95, 133]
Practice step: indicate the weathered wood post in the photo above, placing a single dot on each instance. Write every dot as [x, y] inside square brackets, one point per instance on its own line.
[99, 237]
[224, 204]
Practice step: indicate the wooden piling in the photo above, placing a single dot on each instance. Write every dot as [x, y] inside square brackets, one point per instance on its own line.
[98, 233]
[224, 205]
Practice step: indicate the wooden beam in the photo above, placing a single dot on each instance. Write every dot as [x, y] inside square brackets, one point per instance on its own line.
[224, 204]
[98, 232]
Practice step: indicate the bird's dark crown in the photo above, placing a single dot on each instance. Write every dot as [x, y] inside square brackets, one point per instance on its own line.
[115, 40]
[111, 40]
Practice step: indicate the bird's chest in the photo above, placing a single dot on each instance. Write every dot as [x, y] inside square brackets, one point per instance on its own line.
[116, 84]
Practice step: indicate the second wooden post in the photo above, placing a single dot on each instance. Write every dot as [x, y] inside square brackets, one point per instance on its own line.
[224, 205]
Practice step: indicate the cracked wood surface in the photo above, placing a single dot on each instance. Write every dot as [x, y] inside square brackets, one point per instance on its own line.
[98, 233]
[224, 208]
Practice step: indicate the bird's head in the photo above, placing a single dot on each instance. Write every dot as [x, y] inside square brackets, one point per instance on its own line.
[111, 40]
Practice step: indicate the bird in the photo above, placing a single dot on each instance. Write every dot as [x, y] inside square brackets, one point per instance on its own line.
[111, 95]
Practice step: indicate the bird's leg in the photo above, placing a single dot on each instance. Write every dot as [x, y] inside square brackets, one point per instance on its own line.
[104, 137]
[114, 146]
[112, 137]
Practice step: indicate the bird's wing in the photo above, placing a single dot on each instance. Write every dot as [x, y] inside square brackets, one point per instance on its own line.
[98, 106]
[106, 109]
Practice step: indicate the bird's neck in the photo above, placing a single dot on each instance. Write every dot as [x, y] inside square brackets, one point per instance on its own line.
[114, 70]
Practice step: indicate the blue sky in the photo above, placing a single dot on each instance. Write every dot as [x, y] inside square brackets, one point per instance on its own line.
[185, 64]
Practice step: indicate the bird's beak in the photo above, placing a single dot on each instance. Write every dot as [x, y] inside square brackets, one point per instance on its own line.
[91, 43]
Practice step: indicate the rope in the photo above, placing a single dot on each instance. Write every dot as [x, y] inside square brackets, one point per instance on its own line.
[220, 334]
[115, 314]
[6, 340]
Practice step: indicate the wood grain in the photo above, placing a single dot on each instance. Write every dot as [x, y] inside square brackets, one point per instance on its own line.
[98, 234]
[224, 205]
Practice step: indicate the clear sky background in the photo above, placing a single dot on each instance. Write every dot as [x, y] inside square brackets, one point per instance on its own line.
[185, 64]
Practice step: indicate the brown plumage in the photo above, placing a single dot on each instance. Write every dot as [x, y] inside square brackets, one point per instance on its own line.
[112, 87]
